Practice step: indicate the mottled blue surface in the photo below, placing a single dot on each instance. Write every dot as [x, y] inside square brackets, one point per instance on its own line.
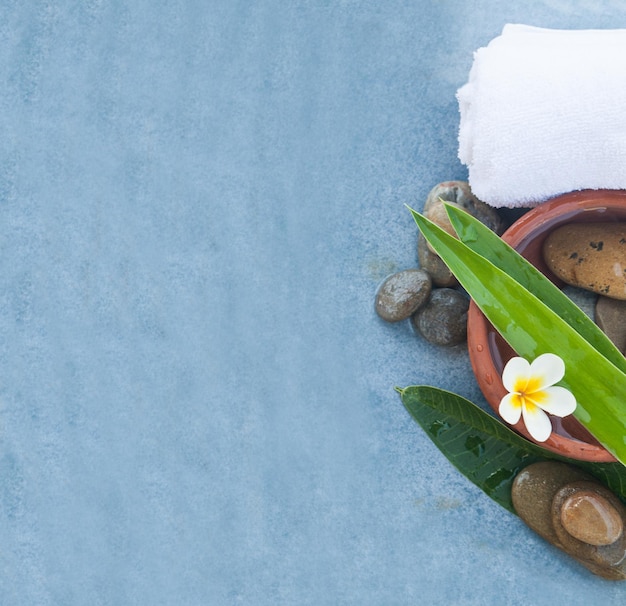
[197, 203]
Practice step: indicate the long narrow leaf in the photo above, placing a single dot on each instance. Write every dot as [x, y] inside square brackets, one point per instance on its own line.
[486, 243]
[532, 328]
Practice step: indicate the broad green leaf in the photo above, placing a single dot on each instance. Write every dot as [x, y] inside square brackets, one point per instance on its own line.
[532, 328]
[486, 243]
[484, 450]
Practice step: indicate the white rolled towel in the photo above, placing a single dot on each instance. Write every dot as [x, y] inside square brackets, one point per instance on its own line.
[544, 113]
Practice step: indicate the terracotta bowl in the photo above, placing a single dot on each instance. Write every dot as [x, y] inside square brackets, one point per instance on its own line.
[489, 352]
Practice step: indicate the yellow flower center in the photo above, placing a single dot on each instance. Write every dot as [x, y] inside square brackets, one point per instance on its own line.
[528, 393]
[527, 385]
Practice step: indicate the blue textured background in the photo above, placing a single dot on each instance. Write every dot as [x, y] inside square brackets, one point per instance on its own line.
[197, 203]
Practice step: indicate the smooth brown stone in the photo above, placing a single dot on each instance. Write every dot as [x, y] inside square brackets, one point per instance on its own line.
[533, 491]
[590, 256]
[610, 316]
[459, 194]
[534, 494]
[434, 265]
[591, 518]
[609, 560]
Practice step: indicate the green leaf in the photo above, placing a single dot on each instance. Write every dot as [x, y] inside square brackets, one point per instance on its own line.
[489, 245]
[484, 450]
[532, 328]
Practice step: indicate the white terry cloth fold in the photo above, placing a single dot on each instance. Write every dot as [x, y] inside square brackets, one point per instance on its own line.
[544, 113]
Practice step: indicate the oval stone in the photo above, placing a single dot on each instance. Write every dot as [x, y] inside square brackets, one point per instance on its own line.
[538, 494]
[459, 194]
[589, 517]
[432, 263]
[402, 294]
[443, 319]
[609, 559]
[590, 256]
[533, 491]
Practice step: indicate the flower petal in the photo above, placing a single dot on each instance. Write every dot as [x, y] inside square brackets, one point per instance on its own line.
[510, 408]
[515, 374]
[546, 370]
[537, 422]
[556, 400]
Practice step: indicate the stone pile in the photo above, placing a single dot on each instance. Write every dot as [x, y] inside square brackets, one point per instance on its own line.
[572, 510]
[430, 296]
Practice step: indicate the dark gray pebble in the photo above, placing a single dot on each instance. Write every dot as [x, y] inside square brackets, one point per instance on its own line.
[611, 318]
[443, 319]
[402, 294]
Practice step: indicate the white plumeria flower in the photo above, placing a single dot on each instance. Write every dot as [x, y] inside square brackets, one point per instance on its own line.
[532, 393]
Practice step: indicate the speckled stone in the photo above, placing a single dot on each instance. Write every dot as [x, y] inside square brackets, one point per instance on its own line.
[545, 494]
[610, 316]
[459, 194]
[589, 255]
[443, 319]
[401, 294]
